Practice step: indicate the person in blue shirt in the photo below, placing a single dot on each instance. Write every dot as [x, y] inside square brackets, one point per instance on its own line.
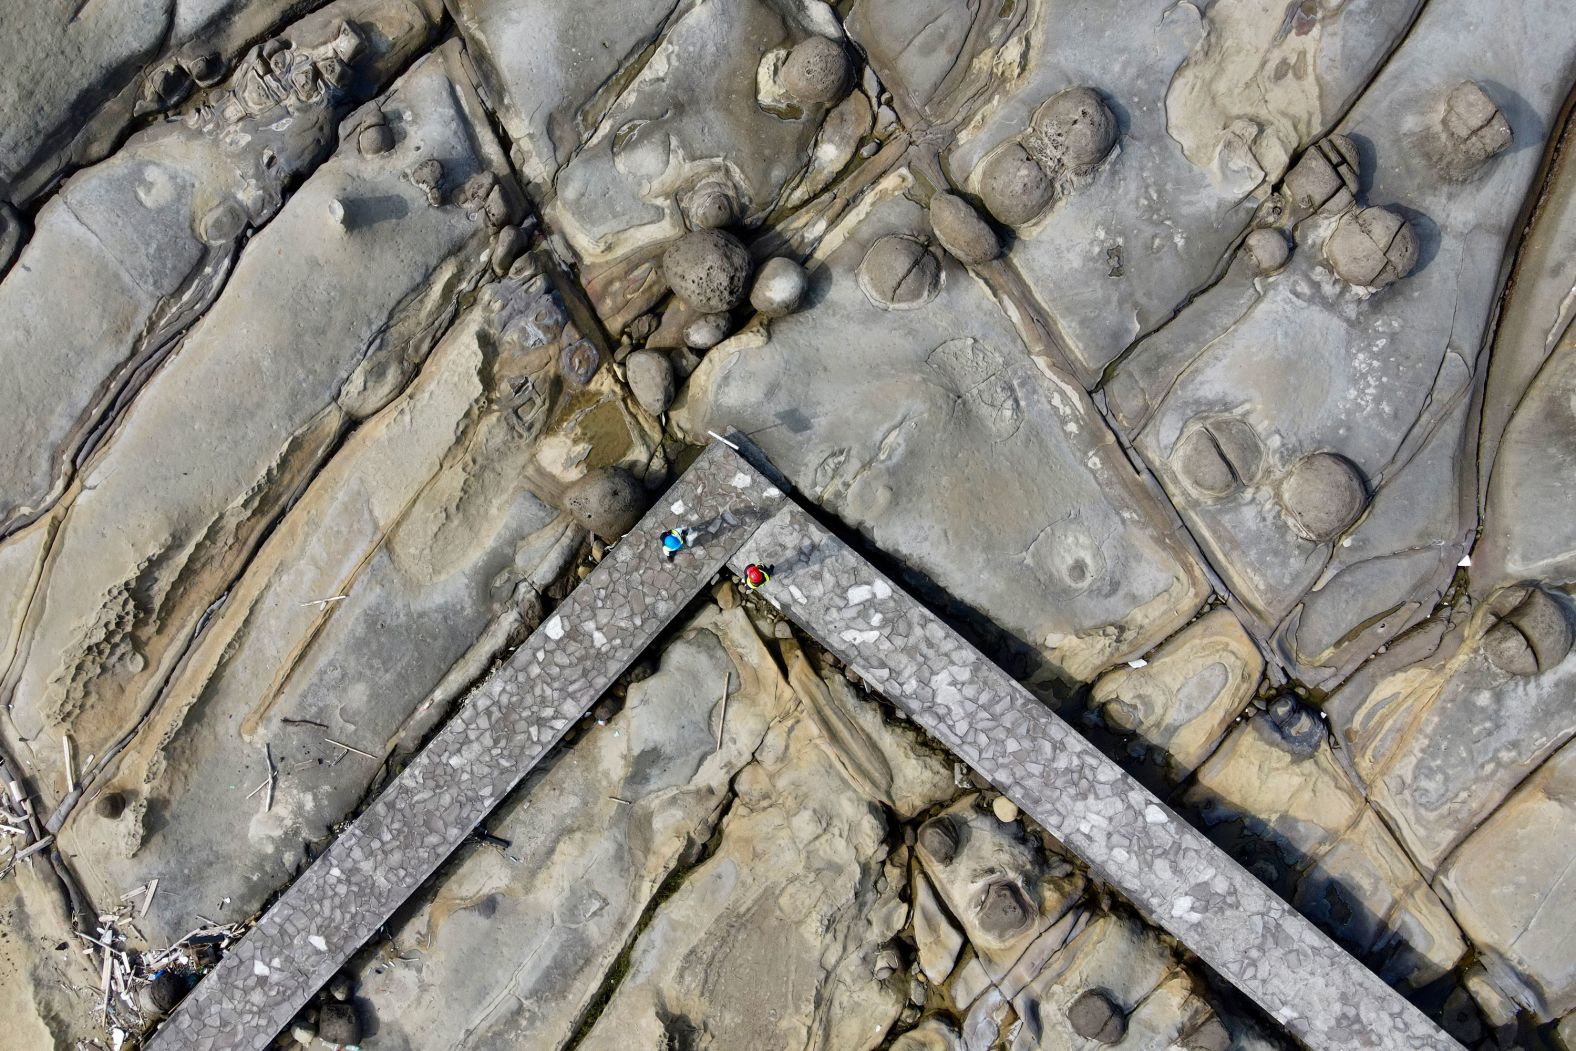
[674, 541]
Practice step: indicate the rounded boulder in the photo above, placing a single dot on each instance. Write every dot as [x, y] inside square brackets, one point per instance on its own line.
[779, 288]
[651, 380]
[707, 269]
[1013, 186]
[817, 71]
[1323, 494]
[961, 231]
[900, 272]
[608, 501]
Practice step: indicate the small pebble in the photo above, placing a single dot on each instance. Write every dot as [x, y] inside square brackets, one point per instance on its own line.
[1006, 810]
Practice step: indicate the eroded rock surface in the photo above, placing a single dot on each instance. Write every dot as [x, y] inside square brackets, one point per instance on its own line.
[1209, 365]
[938, 413]
[1384, 380]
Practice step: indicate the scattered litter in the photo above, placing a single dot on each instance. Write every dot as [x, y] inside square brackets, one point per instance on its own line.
[71, 777]
[1138, 662]
[322, 603]
[722, 720]
[1466, 561]
[723, 440]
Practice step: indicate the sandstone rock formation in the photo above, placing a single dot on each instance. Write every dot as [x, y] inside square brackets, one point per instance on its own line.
[1211, 366]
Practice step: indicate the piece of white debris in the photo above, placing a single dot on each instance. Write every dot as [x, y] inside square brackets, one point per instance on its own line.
[1466, 560]
[1138, 662]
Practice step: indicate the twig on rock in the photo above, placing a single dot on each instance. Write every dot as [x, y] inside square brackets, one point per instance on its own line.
[350, 748]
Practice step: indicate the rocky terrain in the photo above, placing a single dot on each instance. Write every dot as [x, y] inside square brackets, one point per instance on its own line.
[1210, 364]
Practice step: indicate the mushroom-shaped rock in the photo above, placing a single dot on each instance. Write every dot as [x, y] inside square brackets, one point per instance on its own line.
[651, 380]
[779, 288]
[207, 70]
[1472, 129]
[1219, 457]
[940, 837]
[1003, 912]
[1532, 635]
[221, 223]
[1199, 462]
[961, 231]
[707, 269]
[374, 139]
[1372, 247]
[1072, 130]
[900, 272]
[707, 331]
[1267, 250]
[337, 1024]
[1095, 1016]
[711, 204]
[1293, 726]
[1323, 494]
[608, 501]
[816, 71]
[1014, 186]
[1326, 177]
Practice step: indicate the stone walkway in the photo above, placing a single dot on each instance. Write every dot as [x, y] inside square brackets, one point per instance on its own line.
[505, 729]
[1160, 863]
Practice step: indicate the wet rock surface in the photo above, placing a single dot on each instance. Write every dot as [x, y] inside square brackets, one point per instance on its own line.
[1210, 365]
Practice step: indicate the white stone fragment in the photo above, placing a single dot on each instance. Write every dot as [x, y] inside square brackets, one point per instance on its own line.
[554, 628]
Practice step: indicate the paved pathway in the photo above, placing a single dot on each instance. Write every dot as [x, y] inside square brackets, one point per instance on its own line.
[505, 728]
[1158, 861]
[1171, 872]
